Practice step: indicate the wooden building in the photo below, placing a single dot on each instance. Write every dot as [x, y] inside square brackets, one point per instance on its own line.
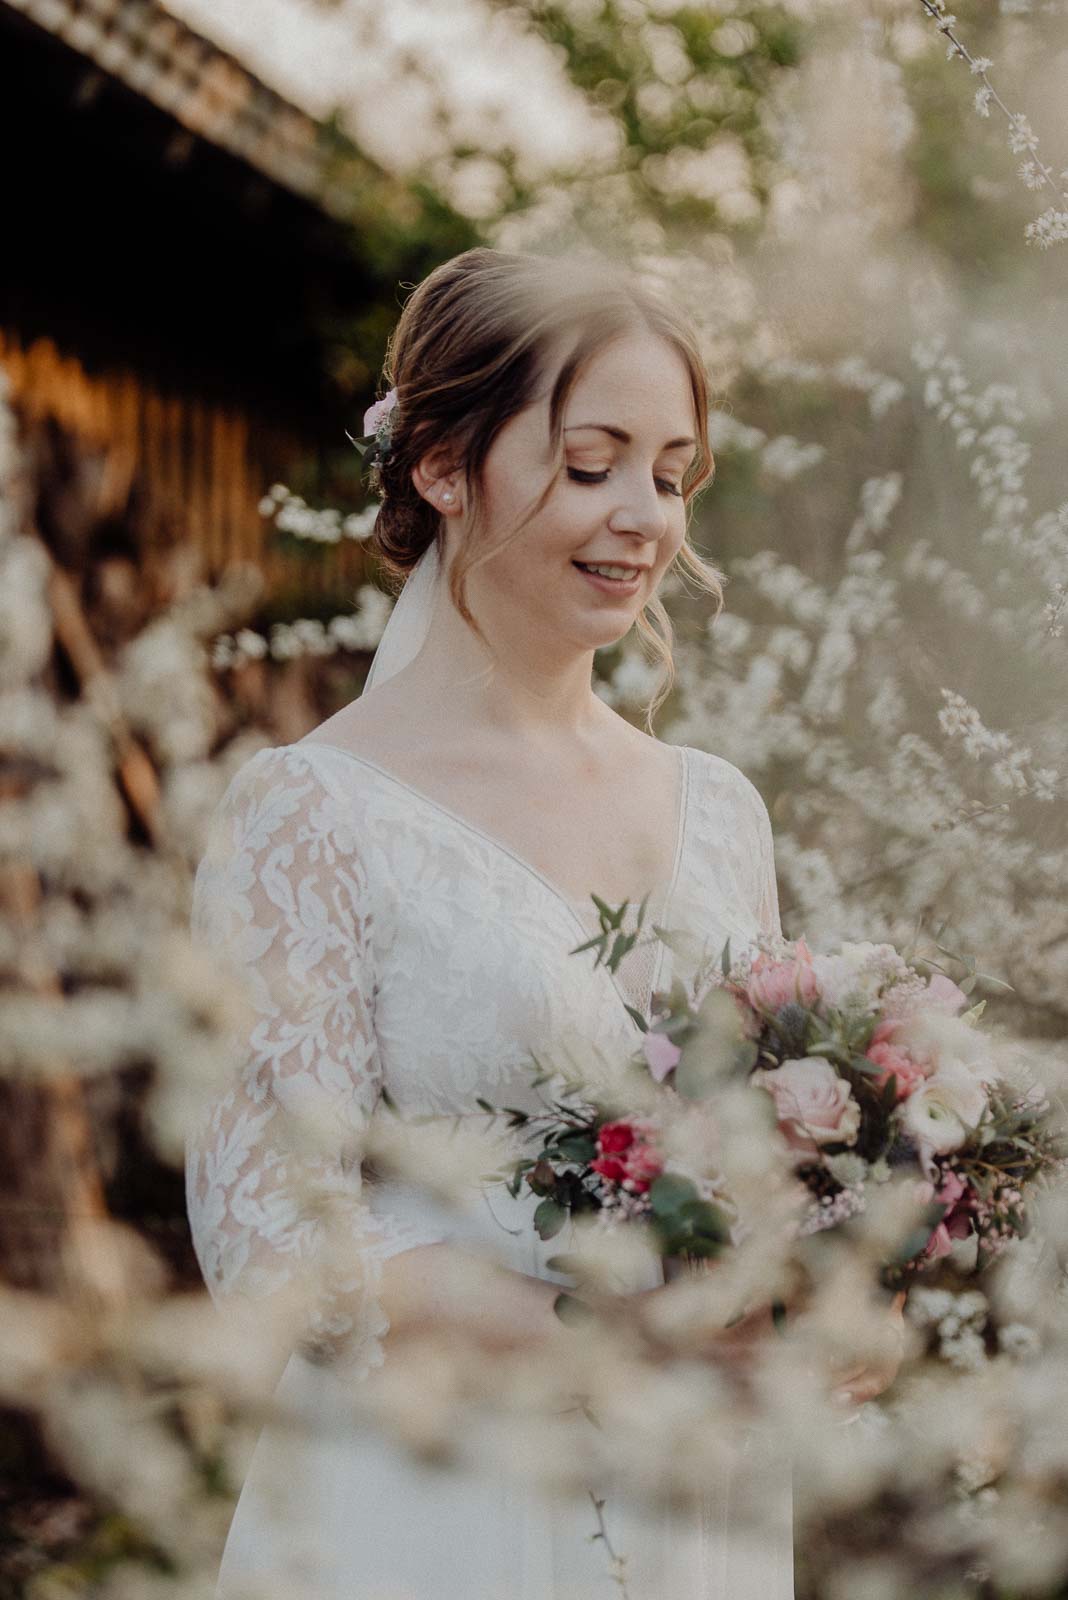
[177, 239]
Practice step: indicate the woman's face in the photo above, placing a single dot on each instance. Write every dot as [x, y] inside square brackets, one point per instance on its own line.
[629, 434]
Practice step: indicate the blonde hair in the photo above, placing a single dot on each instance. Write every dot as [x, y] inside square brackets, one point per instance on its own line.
[467, 355]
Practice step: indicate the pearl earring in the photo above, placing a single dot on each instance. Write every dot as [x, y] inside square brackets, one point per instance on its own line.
[447, 498]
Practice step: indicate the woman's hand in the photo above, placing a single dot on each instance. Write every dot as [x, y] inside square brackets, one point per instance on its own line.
[856, 1384]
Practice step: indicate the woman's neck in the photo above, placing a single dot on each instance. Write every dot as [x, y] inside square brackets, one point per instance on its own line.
[521, 684]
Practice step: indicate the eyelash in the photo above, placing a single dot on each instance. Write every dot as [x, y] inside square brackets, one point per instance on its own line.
[599, 477]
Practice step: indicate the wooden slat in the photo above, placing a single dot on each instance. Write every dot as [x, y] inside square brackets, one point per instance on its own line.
[205, 467]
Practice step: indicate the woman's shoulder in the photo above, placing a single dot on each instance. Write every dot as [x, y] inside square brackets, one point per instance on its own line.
[276, 793]
[272, 769]
[723, 783]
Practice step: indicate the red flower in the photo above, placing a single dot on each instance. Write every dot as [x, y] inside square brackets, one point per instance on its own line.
[644, 1163]
[641, 1160]
[609, 1168]
[614, 1136]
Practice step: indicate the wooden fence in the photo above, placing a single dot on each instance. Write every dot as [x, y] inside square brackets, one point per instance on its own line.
[199, 469]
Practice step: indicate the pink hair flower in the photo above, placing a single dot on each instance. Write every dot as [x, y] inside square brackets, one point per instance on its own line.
[376, 415]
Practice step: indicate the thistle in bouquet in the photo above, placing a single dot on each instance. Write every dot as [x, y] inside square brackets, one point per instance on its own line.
[879, 1072]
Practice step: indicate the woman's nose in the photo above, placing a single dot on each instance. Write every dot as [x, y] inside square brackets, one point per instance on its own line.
[641, 510]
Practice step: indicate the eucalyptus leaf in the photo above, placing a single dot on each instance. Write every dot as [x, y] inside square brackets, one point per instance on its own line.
[707, 1219]
[580, 1147]
[670, 1191]
[549, 1218]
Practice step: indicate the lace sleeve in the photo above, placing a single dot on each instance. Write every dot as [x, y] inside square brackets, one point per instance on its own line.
[765, 888]
[274, 1177]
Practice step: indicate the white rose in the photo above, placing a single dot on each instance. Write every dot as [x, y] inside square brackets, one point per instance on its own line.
[944, 1109]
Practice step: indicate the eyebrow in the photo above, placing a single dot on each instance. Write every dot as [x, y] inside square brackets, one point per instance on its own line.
[624, 437]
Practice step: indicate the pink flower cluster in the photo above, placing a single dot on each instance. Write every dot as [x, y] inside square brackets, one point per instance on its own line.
[627, 1156]
[957, 1223]
[910, 1066]
[895, 1047]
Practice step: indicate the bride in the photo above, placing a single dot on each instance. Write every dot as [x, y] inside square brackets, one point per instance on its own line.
[401, 889]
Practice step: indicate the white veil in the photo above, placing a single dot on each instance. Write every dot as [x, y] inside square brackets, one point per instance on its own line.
[409, 621]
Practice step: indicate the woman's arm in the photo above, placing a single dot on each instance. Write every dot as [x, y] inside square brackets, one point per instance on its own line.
[277, 1202]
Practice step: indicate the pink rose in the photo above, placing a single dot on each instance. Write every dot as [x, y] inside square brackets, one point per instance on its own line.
[813, 1104]
[661, 1053]
[943, 995]
[894, 1030]
[895, 1063]
[772, 984]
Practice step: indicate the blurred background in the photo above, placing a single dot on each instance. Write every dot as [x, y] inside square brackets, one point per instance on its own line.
[214, 211]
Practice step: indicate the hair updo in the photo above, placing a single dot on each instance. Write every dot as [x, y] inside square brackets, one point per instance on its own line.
[468, 354]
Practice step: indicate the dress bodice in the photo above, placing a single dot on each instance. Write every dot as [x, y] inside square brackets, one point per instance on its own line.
[389, 947]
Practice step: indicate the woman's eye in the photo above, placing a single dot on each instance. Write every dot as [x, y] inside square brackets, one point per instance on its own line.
[599, 477]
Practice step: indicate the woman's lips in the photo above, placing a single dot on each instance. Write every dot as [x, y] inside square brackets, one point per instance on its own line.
[616, 586]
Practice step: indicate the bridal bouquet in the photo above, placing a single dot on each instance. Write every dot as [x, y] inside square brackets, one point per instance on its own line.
[875, 1074]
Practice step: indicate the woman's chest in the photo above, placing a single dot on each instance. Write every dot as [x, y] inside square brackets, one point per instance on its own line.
[478, 967]
[611, 829]
[613, 834]
[477, 972]
[475, 962]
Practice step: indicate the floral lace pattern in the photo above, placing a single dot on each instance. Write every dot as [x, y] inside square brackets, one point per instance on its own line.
[385, 945]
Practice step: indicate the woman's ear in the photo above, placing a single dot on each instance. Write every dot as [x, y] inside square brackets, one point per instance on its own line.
[433, 479]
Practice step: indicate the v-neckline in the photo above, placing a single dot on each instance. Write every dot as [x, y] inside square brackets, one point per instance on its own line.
[682, 813]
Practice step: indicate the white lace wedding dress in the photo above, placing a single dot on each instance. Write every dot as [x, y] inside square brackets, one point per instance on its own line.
[389, 943]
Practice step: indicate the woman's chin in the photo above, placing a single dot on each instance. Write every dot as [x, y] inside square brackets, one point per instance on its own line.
[604, 632]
